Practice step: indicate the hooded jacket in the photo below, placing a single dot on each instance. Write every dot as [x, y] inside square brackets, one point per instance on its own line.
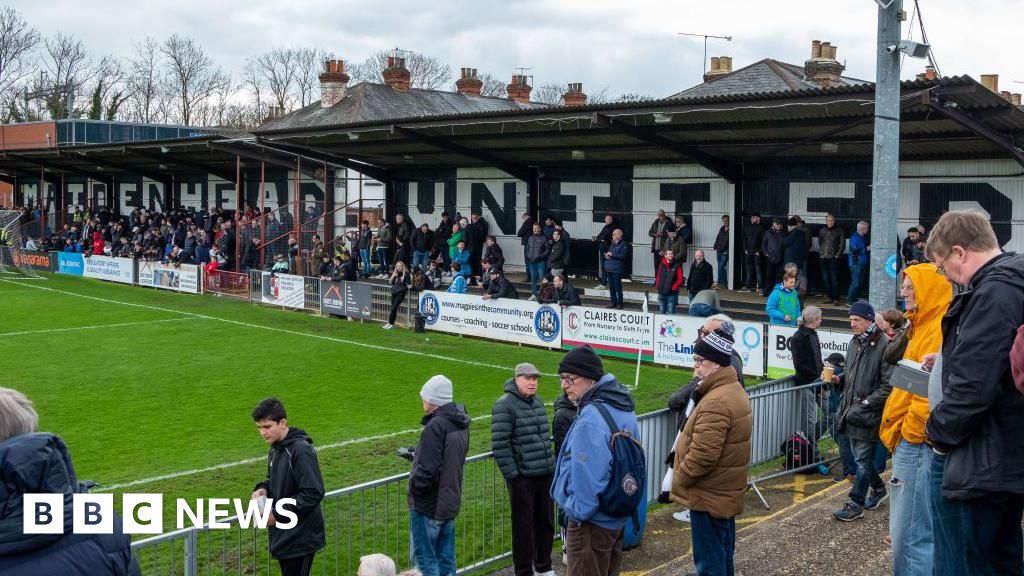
[293, 471]
[435, 483]
[38, 463]
[712, 454]
[866, 378]
[979, 423]
[585, 460]
[565, 415]
[520, 435]
[905, 414]
[781, 303]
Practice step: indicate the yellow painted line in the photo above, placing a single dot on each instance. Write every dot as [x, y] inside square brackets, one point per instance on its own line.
[792, 485]
[827, 491]
[799, 488]
[751, 520]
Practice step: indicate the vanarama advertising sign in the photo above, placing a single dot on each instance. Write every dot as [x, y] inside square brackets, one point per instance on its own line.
[509, 320]
[609, 332]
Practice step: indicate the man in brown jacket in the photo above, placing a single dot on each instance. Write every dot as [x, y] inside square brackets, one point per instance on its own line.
[709, 474]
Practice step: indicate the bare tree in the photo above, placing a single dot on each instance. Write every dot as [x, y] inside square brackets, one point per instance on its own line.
[110, 91]
[70, 68]
[492, 86]
[17, 40]
[143, 81]
[193, 78]
[424, 71]
[549, 94]
[256, 85]
[277, 68]
[634, 97]
[309, 63]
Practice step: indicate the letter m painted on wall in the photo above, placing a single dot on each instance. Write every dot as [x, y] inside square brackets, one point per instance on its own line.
[504, 212]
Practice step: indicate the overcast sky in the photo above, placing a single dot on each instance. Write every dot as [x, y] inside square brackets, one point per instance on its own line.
[627, 46]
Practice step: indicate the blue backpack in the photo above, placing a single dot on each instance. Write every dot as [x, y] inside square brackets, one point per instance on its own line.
[624, 493]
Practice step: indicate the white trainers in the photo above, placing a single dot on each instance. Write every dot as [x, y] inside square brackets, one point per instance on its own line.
[388, 326]
[532, 298]
[565, 559]
[548, 573]
[683, 515]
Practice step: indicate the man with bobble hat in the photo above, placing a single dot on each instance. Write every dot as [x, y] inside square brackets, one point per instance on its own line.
[712, 454]
[594, 537]
[435, 483]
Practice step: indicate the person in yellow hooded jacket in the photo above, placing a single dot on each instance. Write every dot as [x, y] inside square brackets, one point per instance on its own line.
[927, 295]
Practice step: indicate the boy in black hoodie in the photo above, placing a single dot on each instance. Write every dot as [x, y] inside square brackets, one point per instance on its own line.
[293, 471]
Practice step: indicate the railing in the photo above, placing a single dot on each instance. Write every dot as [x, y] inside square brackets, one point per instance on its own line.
[373, 516]
[226, 283]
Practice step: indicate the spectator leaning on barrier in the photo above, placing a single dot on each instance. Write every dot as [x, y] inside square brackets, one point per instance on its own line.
[702, 275]
[927, 296]
[712, 454]
[865, 390]
[667, 282]
[564, 292]
[458, 285]
[522, 450]
[547, 294]
[293, 471]
[435, 482]
[594, 538]
[499, 286]
[33, 462]
[977, 428]
[705, 303]
[807, 363]
[783, 305]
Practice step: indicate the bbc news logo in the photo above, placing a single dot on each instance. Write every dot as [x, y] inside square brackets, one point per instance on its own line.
[144, 513]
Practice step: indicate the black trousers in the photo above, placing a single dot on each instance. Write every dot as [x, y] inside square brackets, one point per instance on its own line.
[533, 528]
[396, 301]
[772, 275]
[300, 566]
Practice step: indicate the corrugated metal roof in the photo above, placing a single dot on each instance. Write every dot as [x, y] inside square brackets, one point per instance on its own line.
[369, 102]
[766, 75]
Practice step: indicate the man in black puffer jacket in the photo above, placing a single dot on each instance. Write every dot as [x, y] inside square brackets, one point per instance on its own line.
[33, 462]
[520, 439]
[293, 471]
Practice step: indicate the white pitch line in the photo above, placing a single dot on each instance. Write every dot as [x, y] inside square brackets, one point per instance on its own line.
[279, 330]
[97, 327]
[245, 461]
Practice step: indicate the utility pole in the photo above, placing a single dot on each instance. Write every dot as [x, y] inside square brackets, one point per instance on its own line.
[885, 178]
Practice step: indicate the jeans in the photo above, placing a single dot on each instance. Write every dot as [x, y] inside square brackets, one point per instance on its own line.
[753, 271]
[615, 287]
[835, 399]
[714, 543]
[858, 278]
[808, 403]
[382, 259]
[536, 271]
[667, 303]
[702, 310]
[981, 536]
[830, 277]
[433, 544]
[364, 255]
[864, 452]
[910, 521]
[723, 269]
[420, 258]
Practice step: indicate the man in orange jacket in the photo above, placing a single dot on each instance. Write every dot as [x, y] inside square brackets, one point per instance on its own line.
[927, 295]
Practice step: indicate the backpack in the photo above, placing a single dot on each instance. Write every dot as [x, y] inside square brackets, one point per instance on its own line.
[1017, 360]
[624, 493]
[799, 451]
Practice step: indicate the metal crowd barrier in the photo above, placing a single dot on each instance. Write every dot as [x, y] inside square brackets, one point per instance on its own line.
[373, 516]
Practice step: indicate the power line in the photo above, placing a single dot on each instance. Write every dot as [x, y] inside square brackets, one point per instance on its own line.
[706, 36]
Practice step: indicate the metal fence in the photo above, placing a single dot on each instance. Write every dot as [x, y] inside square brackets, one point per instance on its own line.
[373, 516]
[226, 283]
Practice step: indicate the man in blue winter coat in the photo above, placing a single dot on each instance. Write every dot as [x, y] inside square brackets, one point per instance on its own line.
[594, 538]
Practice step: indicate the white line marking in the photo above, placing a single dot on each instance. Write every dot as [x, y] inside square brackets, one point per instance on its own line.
[263, 458]
[99, 327]
[282, 330]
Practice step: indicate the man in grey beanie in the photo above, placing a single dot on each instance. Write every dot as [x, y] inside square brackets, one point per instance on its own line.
[435, 483]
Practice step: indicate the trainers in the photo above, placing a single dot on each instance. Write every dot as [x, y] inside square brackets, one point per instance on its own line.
[548, 573]
[388, 326]
[532, 298]
[850, 512]
[683, 515]
[565, 559]
[876, 499]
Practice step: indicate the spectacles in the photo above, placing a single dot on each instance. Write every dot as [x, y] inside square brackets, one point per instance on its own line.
[568, 378]
[697, 360]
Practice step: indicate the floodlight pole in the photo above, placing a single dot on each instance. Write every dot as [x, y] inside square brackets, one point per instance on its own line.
[886, 165]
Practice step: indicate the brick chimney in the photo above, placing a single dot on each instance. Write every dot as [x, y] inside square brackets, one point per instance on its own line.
[930, 73]
[990, 81]
[396, 74]
[1015, 99]
[822, 68]
[519, 89]
[574, 96]
[469, 84]
[720, 66]
[333, 83]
